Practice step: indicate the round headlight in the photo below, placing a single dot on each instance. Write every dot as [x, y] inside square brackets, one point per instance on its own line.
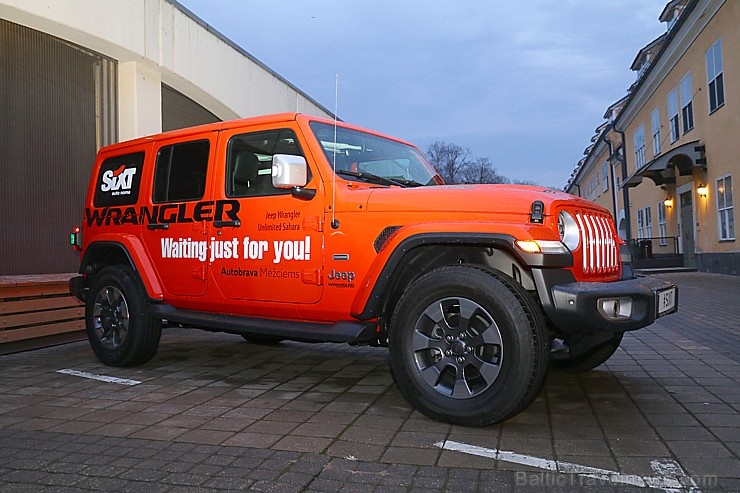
[568, 229]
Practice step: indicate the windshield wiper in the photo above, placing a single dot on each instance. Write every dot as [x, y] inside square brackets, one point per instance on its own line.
[408, 183]
[371, 178]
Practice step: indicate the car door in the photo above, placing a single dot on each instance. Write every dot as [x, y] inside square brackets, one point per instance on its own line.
[175, 231]
[273, 252]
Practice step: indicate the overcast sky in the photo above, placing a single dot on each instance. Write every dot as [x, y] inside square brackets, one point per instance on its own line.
[524, 83]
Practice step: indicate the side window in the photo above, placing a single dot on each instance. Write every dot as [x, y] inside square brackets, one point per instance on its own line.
[180, 173]
[687, 110]
[673, 114]
[715, 76]
[119, 179]
[249, 161]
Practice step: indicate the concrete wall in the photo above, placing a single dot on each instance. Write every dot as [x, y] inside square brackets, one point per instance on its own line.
[159, 41]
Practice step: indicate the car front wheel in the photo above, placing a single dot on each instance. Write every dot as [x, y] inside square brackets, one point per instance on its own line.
[468, 346]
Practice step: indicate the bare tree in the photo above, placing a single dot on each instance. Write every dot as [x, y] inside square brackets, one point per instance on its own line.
[481, 170]
[455, 164]
[449, 160]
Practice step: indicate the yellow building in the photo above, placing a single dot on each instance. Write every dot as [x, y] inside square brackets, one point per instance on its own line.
[672, 145]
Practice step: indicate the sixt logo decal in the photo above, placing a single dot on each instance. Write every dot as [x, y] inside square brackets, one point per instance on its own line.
[118, 181]
[207, 210]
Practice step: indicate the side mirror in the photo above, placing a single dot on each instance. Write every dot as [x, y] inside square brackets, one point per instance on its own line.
[289, 171]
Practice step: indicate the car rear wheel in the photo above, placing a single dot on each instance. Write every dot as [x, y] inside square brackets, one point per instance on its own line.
[118, 324]
[468, 346]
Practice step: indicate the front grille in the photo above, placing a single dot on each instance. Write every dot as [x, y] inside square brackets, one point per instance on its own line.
[599, 249]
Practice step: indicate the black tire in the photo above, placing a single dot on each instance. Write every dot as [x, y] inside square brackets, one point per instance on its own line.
[263, 340]
[591, 358]
[119, 327]
[476, 369]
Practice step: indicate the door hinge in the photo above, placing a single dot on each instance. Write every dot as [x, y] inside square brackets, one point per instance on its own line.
[311, 276]
[314, 223]
[200, 272]
[200, 227]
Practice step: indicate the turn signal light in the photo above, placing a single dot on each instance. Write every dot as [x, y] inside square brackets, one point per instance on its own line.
[541, 246]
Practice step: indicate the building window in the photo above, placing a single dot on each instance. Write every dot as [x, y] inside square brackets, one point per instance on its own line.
[592, 189]
[655, 120]
[639, 138]
[673, 114]
[644, 223]
[687, 108]
[662, 227]
[715, 80]
[605, 177]
[598, 183]
[725, 211]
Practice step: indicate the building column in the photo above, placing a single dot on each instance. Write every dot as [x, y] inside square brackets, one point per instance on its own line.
[139, 101]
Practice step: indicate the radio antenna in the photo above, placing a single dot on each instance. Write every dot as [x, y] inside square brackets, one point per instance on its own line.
[334, 222]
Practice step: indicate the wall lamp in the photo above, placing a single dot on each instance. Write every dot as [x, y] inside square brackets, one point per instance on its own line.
[668, 202]
[702, 190]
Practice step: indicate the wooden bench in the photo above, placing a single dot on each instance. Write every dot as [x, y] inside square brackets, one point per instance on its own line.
[37, 310]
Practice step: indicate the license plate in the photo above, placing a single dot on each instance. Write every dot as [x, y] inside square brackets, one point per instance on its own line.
[666, 301]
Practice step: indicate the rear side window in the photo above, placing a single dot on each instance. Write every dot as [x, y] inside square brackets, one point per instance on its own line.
[119, 179]
[180, 172]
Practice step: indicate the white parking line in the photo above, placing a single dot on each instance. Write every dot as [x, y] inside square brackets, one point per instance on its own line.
[102, 378]
[669, 475]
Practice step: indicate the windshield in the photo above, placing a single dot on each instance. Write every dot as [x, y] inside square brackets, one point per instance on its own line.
[365, 157]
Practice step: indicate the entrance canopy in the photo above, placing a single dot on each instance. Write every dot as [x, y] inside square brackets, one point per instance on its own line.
[663, 169]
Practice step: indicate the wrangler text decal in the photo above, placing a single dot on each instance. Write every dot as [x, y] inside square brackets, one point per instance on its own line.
[207, 210]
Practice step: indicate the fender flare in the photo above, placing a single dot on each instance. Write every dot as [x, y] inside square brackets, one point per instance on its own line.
[369, 300]
[137, 257]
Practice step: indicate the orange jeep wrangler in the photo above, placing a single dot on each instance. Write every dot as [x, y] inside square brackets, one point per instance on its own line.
[295, 227]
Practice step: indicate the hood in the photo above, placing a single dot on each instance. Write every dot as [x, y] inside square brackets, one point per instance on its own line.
[500, 199]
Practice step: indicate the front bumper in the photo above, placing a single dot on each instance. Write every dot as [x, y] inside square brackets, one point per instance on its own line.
[579, 307]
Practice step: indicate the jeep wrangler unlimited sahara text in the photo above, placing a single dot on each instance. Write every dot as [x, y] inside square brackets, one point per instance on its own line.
[294, 227]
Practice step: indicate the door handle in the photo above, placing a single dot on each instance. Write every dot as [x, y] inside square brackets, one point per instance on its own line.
[154, 226]
[227, 224]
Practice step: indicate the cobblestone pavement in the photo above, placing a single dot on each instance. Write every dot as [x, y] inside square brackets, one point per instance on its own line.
[214, 413]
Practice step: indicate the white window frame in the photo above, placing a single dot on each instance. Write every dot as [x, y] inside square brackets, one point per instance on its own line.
[687, 103]
[715, 76]
[655, 122]
[592, 188]
[640, 224]
[648, 222]
[639, 145]
[605, 176]
[662, 223]
[725, 209]
[673, 115]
